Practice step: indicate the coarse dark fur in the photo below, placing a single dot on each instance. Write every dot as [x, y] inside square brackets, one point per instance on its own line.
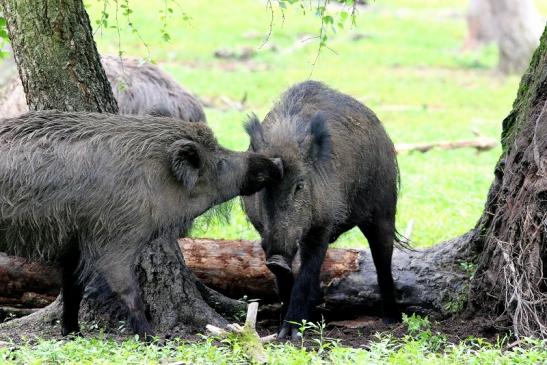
[340, 171]
[85, 191]
[139, 87]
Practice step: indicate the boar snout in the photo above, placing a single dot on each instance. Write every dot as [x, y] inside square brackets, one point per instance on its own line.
[278, 264]
[261, 171]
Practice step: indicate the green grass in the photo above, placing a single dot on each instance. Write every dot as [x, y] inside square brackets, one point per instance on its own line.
[421, 345]
[407, 68]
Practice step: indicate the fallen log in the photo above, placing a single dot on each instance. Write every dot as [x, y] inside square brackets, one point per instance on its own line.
[27, 284]
[430, 281]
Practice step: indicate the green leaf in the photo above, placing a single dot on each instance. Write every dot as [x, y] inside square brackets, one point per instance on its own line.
[327, 19]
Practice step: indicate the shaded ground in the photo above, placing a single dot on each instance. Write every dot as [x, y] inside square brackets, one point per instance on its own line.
[352, 333]
[366, 329]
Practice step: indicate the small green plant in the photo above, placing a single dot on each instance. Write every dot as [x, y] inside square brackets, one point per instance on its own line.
[419, 330]
[457, 302]
[469, 268]
[416, 324]
[302, 328]
[318, 331]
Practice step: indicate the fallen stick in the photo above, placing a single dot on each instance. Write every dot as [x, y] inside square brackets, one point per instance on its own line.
[6, 312]
[480, 144]
[246, 334]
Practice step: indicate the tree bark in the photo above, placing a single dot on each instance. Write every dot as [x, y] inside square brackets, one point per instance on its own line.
[60, 69]
[511, 239]
[515, 25]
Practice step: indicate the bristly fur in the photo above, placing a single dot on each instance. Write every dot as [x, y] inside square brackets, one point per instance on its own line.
[343, 127]
[140, 88]
[49, 159]
[93, 188]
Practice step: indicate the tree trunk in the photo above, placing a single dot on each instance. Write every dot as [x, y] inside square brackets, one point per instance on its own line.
[511, 240]
[61, 69]
[515, 25]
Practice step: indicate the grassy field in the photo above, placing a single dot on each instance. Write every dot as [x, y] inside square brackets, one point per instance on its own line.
[402, 59]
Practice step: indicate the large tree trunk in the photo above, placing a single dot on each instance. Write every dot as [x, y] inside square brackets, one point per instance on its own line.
[60, 69]
[511, 240]
[515, 25]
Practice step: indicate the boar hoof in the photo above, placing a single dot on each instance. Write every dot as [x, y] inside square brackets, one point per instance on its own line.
[392, 319]
[69, 332]
[287, 331]
[278, 264]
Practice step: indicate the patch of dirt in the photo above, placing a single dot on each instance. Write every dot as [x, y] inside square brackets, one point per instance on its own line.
[359, 333]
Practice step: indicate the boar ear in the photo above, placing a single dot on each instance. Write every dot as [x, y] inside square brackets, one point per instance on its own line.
[185, 161]
[321, 144]
[255, 131]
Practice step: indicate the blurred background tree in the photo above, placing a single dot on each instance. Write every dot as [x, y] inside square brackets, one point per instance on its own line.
[514, 25]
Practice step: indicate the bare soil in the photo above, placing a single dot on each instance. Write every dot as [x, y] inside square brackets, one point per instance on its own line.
[359, 333]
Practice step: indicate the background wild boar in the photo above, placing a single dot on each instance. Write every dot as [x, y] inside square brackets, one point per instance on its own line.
[85, 191]
[139, 87]
[340, 171]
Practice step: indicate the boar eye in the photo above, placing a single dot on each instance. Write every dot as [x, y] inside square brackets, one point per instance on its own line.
[299, 186]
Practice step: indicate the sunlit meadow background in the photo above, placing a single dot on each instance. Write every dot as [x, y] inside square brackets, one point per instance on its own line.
[403, 59]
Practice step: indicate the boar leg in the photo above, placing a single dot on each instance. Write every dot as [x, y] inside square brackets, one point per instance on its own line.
[121, 278]
[284, 281]
[306, 291]
[380, 236]
[72, 290]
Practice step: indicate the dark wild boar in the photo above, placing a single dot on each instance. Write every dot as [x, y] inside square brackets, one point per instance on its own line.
[85, 191]
[340, 171]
